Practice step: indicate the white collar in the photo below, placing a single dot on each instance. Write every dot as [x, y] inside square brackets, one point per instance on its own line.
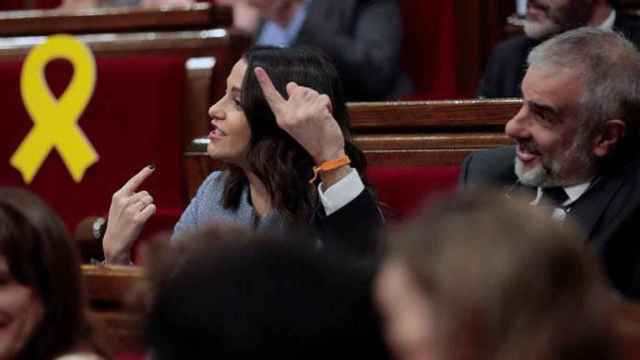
[573, 192]
[608, 23]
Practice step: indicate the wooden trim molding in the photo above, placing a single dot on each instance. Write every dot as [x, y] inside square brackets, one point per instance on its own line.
[116, 19]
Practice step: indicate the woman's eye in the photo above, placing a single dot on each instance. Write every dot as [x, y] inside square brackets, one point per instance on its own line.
[237, 103]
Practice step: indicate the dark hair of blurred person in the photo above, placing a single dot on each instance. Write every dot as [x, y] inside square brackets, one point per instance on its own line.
[480, 276]
[241, 295]
[42, 307]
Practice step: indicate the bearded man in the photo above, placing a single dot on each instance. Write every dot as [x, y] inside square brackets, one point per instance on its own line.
[545, 18]
[576, 144]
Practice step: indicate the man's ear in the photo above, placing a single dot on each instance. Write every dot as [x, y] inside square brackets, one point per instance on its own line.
[605, 141]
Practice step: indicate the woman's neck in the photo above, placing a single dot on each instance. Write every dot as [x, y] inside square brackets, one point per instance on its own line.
[259, 195]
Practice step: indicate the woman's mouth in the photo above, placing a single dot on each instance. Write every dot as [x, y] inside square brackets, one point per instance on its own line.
[216, 133]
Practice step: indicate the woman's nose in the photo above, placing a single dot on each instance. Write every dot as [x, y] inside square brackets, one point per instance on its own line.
[215, 112]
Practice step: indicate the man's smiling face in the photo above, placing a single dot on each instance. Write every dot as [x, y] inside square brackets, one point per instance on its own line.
[552, 149]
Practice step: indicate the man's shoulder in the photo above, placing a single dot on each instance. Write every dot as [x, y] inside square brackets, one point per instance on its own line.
[489, 167]
[517, 46]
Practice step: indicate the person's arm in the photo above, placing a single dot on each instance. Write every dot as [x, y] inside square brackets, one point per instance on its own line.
[192, 216]
[306, 116]
[351, 219]
[368, 57]
[128, 212]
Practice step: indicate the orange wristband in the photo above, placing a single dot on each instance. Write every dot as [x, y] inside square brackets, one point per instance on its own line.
[329, 165]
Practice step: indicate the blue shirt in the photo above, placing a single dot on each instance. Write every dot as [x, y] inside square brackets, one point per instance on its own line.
[275, 35]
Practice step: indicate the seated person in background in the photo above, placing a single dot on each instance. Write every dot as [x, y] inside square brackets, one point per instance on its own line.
[362, 37]
[42, 306]
[576, 143]
[480, 276]
[233, 294]
[270, 135]
[507, 63]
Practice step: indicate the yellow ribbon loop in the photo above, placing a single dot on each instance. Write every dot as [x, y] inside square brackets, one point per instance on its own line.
[55, 120]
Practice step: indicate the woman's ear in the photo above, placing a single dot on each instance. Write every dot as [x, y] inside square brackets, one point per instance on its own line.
[605, 141]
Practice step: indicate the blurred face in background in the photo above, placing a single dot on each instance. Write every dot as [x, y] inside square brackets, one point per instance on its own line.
[408, 321]
[549, 17]
[21, 313]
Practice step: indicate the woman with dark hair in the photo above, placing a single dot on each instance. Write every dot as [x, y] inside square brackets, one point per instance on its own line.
[42, 308]
[276, 133]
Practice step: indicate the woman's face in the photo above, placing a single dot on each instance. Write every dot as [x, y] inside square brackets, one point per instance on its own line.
[230, 134]
[21, 312]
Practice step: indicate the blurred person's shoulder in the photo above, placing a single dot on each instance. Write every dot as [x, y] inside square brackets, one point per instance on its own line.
[520, 44]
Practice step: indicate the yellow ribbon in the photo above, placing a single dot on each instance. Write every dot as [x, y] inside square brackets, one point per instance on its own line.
[55, 120]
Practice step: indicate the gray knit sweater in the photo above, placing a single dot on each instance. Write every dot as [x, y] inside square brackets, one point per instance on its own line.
[206, 208]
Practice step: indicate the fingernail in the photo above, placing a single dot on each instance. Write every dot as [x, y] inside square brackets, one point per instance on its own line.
[152, 166]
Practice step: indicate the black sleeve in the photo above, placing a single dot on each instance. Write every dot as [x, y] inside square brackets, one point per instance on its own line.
[354, 228]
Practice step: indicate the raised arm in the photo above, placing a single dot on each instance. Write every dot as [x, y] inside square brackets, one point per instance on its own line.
[129, 211]
[306, 116]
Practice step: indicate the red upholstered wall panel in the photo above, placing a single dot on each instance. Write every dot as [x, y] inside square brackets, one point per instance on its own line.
[47, 4]
[11, 4]
[27, 4]
[429, 49]
[133, 119]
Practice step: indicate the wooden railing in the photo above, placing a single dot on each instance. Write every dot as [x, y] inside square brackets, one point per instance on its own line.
[109, 20]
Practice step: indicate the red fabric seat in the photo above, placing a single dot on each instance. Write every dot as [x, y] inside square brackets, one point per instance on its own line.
[134, 119]
[403, 189]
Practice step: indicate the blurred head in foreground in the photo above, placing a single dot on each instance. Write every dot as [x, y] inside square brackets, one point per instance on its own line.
[236, 294]
[480, 276]
[42, 310]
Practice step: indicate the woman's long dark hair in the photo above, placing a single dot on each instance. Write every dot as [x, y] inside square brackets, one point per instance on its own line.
[40, 255]
[282, 165]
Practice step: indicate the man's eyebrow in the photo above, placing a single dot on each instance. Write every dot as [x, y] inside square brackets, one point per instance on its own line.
[542, 108]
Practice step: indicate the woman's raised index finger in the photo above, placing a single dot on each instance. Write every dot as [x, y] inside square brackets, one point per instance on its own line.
[271, 94]
[132, 185]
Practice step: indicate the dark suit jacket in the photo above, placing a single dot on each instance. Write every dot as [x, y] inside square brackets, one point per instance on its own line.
[507, 63]
[609, 212]
[364, 39]
[354, 228]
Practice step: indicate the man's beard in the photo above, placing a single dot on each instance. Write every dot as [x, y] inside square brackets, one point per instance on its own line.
[575, 13]
[571, 167]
